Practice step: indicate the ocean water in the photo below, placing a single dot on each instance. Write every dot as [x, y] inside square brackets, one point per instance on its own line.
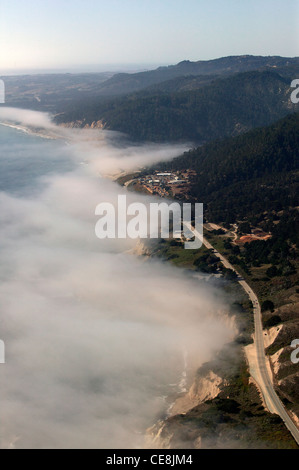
[96, 339]
[26, 158]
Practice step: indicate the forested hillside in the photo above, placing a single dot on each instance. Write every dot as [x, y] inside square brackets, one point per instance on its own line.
[222, 108]
[248, 174]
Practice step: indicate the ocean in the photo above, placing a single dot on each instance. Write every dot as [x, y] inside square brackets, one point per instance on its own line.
[26, 158]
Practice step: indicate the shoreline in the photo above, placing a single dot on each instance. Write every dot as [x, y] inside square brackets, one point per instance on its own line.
[27, 130]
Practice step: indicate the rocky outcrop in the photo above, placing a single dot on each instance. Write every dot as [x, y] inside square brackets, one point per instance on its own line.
[202, 389]
[81, 124]
[140, 249]
[206, 386]
[278, 347]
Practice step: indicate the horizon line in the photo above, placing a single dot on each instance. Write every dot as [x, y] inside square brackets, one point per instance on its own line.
[129, 67]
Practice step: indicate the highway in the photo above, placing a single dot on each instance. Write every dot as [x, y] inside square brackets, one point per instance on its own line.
[271, 398]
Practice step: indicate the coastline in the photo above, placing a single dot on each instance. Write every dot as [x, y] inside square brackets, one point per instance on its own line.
[30, 130]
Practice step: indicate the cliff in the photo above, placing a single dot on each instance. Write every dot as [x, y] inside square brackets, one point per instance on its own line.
[82, 124]
[278, 346]
[203, 389]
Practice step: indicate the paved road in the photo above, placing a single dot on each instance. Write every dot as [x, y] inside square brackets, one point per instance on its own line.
[270, 396]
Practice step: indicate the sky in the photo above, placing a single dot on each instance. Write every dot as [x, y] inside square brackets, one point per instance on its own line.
[86, 34]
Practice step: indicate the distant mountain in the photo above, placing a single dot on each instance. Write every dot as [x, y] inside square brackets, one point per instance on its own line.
[246, 175]
[221, 108]
[194, 82]
[124, 83]
[48, 92]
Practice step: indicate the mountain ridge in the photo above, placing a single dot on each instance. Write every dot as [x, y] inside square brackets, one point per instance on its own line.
[226, 106]
[248, 174]
[127, 83]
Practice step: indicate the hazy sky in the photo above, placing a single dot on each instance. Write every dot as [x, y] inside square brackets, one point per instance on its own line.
[64, 33]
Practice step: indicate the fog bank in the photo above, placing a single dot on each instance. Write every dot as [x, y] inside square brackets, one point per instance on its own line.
[94, 336]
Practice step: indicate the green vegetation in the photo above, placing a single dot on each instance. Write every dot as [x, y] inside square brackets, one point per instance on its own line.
[173, 251]
[267, 305]
[273, 321]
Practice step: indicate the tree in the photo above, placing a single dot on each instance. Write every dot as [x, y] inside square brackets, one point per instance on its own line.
[229, 274]
[267, 305]
[273, 321]
[272, 271]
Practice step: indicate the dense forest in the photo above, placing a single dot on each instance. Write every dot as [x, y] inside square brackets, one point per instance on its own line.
[243, 176]
[224, 107]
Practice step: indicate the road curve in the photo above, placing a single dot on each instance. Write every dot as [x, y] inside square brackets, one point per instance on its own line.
[271, 398]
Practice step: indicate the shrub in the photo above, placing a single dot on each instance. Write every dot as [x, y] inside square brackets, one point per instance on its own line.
[273, 321]
[267, 305]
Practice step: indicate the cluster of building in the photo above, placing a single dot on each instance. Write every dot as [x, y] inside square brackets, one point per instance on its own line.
[166, 184]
